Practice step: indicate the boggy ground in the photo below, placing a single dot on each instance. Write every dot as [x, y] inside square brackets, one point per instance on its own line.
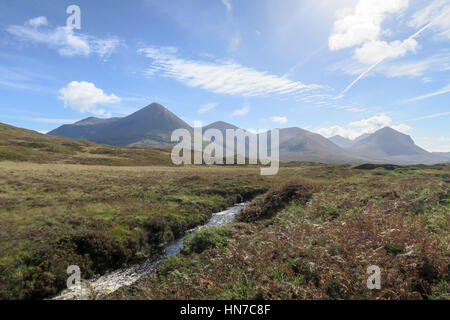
[103, 217]
[315, 239]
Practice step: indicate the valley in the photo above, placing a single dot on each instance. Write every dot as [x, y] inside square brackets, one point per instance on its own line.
[316, 226]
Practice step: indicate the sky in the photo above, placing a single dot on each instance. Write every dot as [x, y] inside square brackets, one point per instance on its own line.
[344, 67]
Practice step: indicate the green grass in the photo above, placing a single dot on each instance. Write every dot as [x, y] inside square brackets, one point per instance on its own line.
[321, 249]
[18, 144]
[101, 217]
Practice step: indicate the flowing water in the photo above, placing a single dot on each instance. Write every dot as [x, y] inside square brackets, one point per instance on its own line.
[111, 281]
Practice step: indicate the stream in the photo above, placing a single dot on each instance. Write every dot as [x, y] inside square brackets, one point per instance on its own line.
[111, 281]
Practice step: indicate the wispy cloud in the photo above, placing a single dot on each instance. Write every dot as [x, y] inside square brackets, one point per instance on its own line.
[444, 90]
[280, 120]
[86, 97]
[227, 4]
[207, 107]
[41, 120]
[241, 112]
[53, 121]
[437, 12]
[226, 77]
[438, 62]
[19, 78]
[430, 116]
[63, 39]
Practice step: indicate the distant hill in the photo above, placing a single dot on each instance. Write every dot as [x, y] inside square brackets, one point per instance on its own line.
[221, 126]
[151, 126]
[341, 141]
[345, 142]
[298, 145]
[361, 137]
[442, 154]
[390, 146]
[17, 144]
[301, 145]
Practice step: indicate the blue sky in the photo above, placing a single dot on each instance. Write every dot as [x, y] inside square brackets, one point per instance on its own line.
[334, 67]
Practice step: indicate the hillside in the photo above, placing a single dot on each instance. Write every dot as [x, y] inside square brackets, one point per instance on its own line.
[390, 146]
[442, 154]
[150, 126]
[17, 144]
[341, 141]
[300, 145]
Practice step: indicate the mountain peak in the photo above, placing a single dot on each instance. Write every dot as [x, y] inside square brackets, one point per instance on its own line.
[341, 141]
[87, 119]
[220, 125]
[388, 130]
[153, 106]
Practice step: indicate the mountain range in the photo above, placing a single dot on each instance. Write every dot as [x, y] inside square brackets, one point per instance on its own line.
[153, 125]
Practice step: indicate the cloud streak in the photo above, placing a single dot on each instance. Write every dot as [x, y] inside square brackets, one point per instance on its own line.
[63, 39]
[431, 116]
[224, 77]
[444, 90]
[227, 4]
[207, 107]
[241, 112]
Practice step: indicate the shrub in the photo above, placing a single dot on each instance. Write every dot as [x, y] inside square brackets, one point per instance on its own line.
[278, 198]
[207, 238]
[381, 173]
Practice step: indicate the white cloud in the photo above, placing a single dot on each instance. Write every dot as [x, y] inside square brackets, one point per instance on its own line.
[444, 90]
[374, 123]
[62, 39]
[401, 127]
[226, 77]
[362, 24]
[438, 13]
[352, 109]
[37, 22]
[85, 97]
[362, 27]
[411, 69]
[358, 128]
[227, 4]
[374, 51]
[280, 120]
[241, 112]
[207, 107]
